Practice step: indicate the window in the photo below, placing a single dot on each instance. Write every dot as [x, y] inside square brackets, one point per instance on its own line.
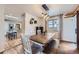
[52, 23]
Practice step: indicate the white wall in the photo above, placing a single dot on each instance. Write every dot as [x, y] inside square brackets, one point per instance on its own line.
[2, 28]
[69, 26]
[30, 28]
[11, 22]
[41, 22]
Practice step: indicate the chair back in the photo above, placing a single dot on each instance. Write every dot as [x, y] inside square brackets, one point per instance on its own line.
[26, 44]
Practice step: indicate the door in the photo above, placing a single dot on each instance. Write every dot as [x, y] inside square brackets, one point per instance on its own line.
[69, 27]
[78, 30]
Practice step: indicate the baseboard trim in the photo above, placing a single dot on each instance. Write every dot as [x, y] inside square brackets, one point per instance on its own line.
[67, 41]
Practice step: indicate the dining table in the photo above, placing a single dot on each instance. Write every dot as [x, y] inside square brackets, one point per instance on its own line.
[46, 43]
[41, 39]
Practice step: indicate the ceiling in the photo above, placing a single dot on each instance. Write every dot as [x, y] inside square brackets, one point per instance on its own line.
[37, 10]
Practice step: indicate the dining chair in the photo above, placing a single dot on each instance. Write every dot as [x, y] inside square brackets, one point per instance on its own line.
[26, 44]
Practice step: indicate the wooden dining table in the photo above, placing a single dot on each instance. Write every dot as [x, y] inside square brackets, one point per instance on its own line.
[44, 42]
[42, 39]
[38, 42]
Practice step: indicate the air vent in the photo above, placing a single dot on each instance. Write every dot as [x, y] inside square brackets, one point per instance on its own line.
[45, 7]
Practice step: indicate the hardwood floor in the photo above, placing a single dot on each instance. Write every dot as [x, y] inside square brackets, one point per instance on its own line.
[67, 48]
[13, 47]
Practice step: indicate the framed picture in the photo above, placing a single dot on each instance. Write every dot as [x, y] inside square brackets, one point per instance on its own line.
[31, 22]
[35, 22]
[18, 26]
